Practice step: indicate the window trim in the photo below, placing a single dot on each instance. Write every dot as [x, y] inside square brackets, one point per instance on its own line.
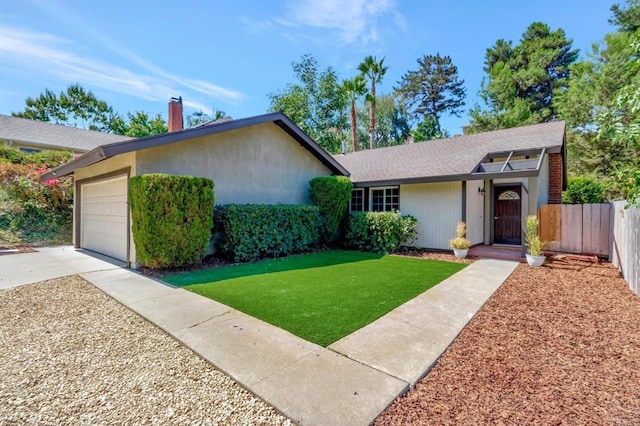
[384, 188]
[361, 190]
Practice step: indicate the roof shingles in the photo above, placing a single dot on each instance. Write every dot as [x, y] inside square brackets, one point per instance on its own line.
[454, 157]
[53, 136]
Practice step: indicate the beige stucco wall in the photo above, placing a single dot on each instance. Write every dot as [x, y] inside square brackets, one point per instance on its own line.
[438, 208]
[107, 166]
[259, 164]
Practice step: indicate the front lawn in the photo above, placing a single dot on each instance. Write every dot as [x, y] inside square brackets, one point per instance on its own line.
[321, 296]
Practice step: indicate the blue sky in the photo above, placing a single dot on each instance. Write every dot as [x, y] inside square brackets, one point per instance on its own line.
[230, 54]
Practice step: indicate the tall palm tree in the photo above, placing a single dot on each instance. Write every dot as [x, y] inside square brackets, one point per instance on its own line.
[354, 89]
[374, 71]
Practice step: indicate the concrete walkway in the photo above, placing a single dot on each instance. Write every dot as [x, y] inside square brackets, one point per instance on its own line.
[350, 382]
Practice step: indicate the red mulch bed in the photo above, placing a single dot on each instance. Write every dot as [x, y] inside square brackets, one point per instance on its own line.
[554, 345]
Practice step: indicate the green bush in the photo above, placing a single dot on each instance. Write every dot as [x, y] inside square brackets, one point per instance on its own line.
[251, 231]
[583, 190]
[380, 232]
[172, 218]
[46, 159]
[331, 194]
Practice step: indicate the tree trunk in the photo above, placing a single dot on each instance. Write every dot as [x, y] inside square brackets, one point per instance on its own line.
[354, 126]
[372, 117]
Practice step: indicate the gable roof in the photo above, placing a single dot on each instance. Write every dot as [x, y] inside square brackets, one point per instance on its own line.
[449, 159]
[53, 136]
[278, 118]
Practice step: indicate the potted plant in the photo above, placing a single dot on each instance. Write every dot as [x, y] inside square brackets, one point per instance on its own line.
[460, 244]
[535, 256]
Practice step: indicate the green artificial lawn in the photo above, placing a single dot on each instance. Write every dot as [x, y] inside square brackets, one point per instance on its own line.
[320, 296]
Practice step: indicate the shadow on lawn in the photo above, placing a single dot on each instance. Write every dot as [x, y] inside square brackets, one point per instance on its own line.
[289, 263]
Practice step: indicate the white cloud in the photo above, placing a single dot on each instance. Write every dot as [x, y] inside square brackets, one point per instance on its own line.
[354, 21]
[47, 53]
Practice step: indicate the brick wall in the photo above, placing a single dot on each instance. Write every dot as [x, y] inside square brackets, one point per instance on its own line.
[555, 178]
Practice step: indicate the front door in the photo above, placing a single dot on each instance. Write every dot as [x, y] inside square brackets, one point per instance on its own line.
[507, 215]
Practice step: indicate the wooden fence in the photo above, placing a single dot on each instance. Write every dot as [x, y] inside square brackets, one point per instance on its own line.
[577, 228]
[625, 253]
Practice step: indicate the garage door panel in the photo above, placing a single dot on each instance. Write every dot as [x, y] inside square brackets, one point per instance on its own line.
[104, 217]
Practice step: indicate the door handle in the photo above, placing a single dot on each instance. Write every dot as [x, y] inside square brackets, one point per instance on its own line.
[496, 217]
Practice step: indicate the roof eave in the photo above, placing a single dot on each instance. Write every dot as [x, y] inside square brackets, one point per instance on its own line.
[86, 159]
[447, 178]
[110, 150]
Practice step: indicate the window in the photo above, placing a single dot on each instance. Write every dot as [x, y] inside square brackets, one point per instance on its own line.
[357, 200]
[385, 199]
[509, 195]
[28, 150]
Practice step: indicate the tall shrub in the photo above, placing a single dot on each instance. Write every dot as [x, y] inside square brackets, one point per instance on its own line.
[252, 231]
[331, 194]
[172, 218]
[380, 232]
[583, 190]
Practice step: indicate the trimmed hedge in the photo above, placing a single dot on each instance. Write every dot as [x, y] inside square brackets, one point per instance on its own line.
[380, 232]
[331, 194]
[253, 231]
[172, 219]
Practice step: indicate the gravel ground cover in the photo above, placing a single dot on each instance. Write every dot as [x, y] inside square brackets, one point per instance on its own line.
[554, 345]
[71, 355]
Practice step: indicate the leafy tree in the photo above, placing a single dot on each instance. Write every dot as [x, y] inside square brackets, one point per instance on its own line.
[73, 107]
[198, 118]
[354, 89]
[619, 123]
[374, 71]
[601, 108]
[583, 190]
[139, 124]
[428, 130]
[79, 107]
[316, 103]
[523, 79]
[626, 19]
[392, 123]
[433, 89]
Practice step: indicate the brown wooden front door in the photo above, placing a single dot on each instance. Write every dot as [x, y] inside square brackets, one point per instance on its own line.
[507, 215]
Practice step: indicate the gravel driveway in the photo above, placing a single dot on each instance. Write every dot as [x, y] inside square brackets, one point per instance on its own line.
[71, 355]
[554, 345]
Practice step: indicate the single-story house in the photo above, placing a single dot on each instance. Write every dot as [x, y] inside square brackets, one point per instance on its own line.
[34, 136]
[491, 180]
[265, 159]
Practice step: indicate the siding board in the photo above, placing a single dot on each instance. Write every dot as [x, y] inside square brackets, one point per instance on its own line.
[438, 208]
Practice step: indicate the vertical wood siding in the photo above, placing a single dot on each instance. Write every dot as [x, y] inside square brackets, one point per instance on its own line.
[626, 243]
[438, 208]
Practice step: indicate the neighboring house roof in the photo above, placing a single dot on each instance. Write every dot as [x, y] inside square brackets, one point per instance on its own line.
[106, 151]
[449, 159]
[53, 136]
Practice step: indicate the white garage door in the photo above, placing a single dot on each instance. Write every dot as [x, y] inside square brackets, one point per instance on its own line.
[104, 214]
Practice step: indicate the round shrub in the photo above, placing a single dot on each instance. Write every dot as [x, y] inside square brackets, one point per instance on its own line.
[583, 190]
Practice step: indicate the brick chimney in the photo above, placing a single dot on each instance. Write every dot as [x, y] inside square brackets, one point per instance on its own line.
[175, 114]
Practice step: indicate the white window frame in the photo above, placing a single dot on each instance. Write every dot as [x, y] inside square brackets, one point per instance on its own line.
[361, 190]
[384, 205]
